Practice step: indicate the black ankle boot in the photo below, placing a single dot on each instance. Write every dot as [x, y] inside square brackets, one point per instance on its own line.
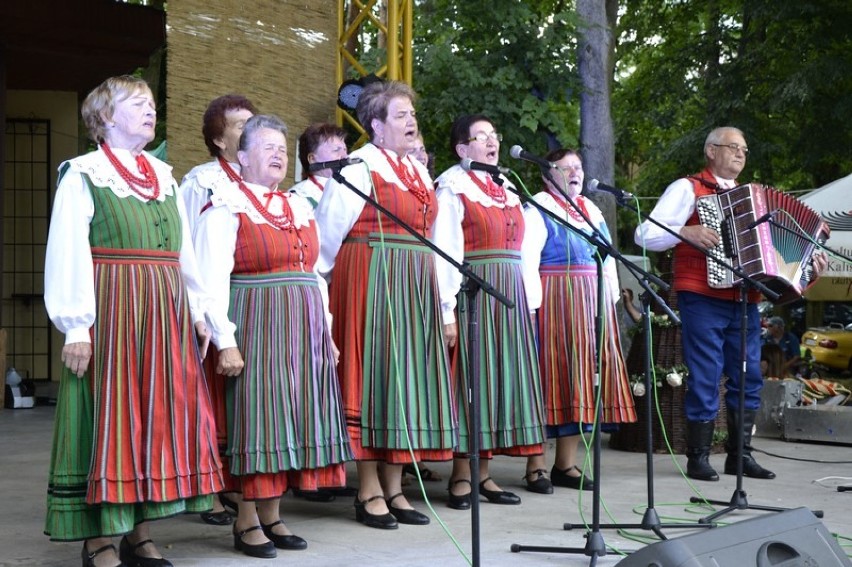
[699, 439]
[743, 426]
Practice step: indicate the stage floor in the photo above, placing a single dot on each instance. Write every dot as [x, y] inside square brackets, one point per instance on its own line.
[808, 474]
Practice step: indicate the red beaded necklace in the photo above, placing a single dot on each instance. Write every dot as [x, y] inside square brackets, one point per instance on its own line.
[147, 181]
[573, 213]
[229, 171]
[284, 221]
[490, 188]
[412, 182]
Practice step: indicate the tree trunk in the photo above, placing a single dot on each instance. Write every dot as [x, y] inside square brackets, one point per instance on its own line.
[595, 60]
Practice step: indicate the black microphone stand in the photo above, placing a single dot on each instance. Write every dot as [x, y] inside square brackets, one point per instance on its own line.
[472, 285]
[738, 500]
[595, 546]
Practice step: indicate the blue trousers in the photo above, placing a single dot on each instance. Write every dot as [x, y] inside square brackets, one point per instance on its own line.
[711, 348]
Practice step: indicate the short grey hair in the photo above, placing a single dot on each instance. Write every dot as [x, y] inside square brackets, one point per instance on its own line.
[259, 122]
[715, 136]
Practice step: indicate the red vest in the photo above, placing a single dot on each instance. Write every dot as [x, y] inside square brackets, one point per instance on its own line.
[690, 265]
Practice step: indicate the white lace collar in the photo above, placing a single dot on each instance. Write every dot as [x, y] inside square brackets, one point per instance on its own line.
[229, 195]
[98, 168]
[378, 163]
[211, 174]
[459, 182]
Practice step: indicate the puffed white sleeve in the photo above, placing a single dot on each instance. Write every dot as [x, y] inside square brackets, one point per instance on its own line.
[323, 285]
[448, 235]
[535, 237]
[672, 210]
[196, 293]
[69, 275]
[215, 243]
[337, 212]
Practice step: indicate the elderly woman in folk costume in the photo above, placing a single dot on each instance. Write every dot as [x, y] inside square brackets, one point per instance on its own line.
[481, 223]
[394, 368]
[257, 246]
[134, 438]
[562, 286]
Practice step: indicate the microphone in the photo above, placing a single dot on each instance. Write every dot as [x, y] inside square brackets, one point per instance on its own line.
[468, 164]
[595, 185]
[768, 216]
[518, 152]
[334, 164]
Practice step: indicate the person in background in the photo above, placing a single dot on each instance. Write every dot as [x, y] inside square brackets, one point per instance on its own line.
[318, 143]
[222, 126]
[423, 156]
[257, 246]
[772, 361]
[787, 341]
[480, 223]
[710, 316]
[561, 277]
[394, 369]
[134, 438]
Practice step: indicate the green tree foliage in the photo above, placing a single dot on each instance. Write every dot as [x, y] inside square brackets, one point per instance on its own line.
[781, 70]
[513, 61]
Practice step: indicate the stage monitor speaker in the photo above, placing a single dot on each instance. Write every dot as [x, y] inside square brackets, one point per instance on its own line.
[793, 538]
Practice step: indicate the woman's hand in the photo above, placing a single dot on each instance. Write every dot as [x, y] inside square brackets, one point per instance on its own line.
[76, 356]
[335, 352]
[451, 334]
[230, 362]
[202, 334]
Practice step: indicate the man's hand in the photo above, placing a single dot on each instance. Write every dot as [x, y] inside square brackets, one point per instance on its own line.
[230, 362]
[704, 237]
[76, 357]
[820, 263]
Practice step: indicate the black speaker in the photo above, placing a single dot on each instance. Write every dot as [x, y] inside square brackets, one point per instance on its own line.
[793, 538]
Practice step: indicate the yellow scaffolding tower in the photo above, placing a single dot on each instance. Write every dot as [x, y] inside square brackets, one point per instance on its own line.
[395, 21]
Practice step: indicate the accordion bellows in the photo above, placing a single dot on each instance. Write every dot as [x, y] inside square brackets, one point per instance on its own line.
[776, 252]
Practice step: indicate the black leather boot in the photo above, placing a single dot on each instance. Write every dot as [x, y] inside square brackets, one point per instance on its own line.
[699, 439]
[744, 427]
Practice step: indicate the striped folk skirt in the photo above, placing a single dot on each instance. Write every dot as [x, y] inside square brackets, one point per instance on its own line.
[567, 353]
[511, 404]
[285, 422]
[134, 439]
[394, 369]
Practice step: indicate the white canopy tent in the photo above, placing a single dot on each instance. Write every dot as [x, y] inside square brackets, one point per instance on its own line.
[834, 203]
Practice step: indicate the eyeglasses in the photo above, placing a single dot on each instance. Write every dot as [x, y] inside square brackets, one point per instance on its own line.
[733, 147]
[576, 167]
[483, 137]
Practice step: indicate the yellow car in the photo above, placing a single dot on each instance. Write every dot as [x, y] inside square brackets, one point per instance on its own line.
[830, 346]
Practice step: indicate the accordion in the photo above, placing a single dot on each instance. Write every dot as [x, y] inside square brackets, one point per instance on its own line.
[777, 253]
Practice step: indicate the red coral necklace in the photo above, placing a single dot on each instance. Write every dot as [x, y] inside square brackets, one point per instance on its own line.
[148, 185]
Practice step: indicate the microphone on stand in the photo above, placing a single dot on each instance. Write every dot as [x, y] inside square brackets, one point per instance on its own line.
[468, 164]
[518, 152]
[621, 195]
[334, 164]
[767, 217]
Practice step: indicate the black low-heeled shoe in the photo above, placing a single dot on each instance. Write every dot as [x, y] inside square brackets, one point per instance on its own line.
[498, 496]
[222, 518]
[561, 478]
[538, 482]
[292, 542]
[406, 515]
[458, 501]
[89, 558]
[128, 555]
[264, 550]
[321, 495]
[380, 521]
[228, 503]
